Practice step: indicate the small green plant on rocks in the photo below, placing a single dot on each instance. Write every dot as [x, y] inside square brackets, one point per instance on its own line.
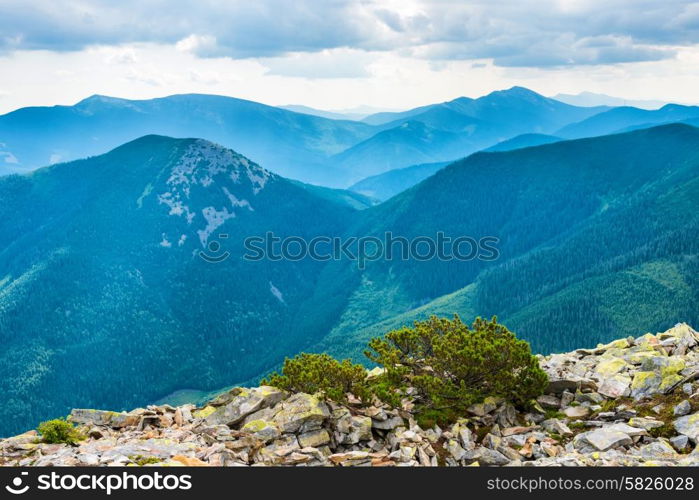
[321, 373]
[141, 460]
[59, 431]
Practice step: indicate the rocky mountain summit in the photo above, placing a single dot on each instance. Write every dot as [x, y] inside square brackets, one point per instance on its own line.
[634, 401]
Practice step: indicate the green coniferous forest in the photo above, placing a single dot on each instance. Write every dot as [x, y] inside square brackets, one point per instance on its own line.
[105, 302]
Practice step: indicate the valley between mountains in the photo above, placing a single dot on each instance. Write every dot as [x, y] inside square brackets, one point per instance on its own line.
[104, 301]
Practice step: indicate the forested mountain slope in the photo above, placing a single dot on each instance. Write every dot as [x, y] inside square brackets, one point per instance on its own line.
[595, 239]
[104, 298]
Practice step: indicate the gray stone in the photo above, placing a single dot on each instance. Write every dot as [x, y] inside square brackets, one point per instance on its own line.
[557, 386]
[455, 449]
[577, 411]
[679, 442]
[589, 397]
[360, 429]
[486, 456]
[547, 401]
[481, 409]
[603, 439]
[566, 398]
[689, 426]
[627, 429]
[466, 437]
[509, 453]
[660, 449]
[89, 458]
[556, 426]
[682, 409]
[388, 424]
[105, 418]
[351, 429]
[615, 386]
[645, 423]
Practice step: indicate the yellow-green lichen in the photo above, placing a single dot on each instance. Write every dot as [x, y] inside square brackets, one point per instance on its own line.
[609, 367]
[204, 412]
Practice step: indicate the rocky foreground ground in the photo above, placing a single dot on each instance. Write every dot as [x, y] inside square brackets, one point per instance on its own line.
[630, 402]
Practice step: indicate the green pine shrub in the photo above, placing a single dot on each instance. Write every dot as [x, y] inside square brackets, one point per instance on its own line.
[451, 365]
[454, 366]
[321, 373]
[59, 431]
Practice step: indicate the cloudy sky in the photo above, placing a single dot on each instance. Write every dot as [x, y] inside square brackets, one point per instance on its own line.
[338, 54]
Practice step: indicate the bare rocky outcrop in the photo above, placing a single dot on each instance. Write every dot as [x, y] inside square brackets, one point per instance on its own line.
[633, 401]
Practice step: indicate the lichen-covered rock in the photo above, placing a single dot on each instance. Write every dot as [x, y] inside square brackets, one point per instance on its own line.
[105, 418]
[301, 412]
[240, 402]
[645, 384]
[645, 423]
[689, 426]
[660, 449]
[314, 439]
[611, 366]
[262, 429]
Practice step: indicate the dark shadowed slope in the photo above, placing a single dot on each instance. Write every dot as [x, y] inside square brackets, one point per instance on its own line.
[383, 186]
[523, 141]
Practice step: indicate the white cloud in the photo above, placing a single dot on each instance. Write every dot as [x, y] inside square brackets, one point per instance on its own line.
[200, 45]
[345, 53]
[329, 63]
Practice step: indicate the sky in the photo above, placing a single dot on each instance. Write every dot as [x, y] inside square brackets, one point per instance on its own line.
[341, 54]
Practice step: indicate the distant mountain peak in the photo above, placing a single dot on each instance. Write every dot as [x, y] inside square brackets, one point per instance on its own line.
[592, 99]
[99, 98]
[516, 91]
